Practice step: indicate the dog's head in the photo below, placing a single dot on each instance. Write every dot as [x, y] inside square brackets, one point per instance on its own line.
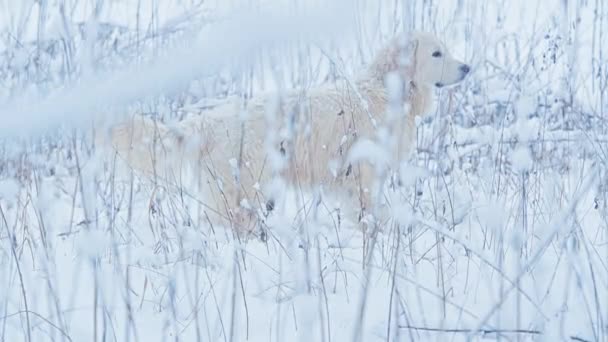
[433, 63]
[421, 58]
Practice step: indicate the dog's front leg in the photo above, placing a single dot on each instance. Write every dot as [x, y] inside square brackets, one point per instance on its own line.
[365, 189]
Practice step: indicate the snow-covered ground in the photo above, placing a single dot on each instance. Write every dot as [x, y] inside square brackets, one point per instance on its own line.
[502, 228]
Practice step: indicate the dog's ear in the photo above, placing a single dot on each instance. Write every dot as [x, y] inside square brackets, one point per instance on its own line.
[406, 43]
[407, 47]
[412, 48]
[399, 55]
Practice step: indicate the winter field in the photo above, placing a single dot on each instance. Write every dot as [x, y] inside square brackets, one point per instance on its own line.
[500, 231]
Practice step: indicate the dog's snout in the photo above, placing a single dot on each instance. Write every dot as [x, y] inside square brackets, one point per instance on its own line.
[465, 68]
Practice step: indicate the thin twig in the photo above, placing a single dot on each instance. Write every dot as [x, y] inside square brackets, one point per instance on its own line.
[488, 331]
[14, 252]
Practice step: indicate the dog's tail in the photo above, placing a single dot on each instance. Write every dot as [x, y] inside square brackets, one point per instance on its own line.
[148, 146]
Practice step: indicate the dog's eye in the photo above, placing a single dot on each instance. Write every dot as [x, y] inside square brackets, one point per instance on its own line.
[437, 54]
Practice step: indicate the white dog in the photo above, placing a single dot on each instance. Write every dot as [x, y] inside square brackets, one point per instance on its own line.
[306, 139]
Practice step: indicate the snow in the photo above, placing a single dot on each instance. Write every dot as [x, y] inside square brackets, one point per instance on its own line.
[9, 189]
[369, 151]
[522, 160]
[78, 104]
[499, 220]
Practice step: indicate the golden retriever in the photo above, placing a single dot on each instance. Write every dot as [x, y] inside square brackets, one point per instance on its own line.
[340, 136]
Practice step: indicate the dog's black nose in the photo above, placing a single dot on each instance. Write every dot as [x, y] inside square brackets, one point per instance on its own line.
[465, 68]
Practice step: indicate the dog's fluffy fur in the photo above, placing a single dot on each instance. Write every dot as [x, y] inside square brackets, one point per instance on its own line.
[234, 150]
